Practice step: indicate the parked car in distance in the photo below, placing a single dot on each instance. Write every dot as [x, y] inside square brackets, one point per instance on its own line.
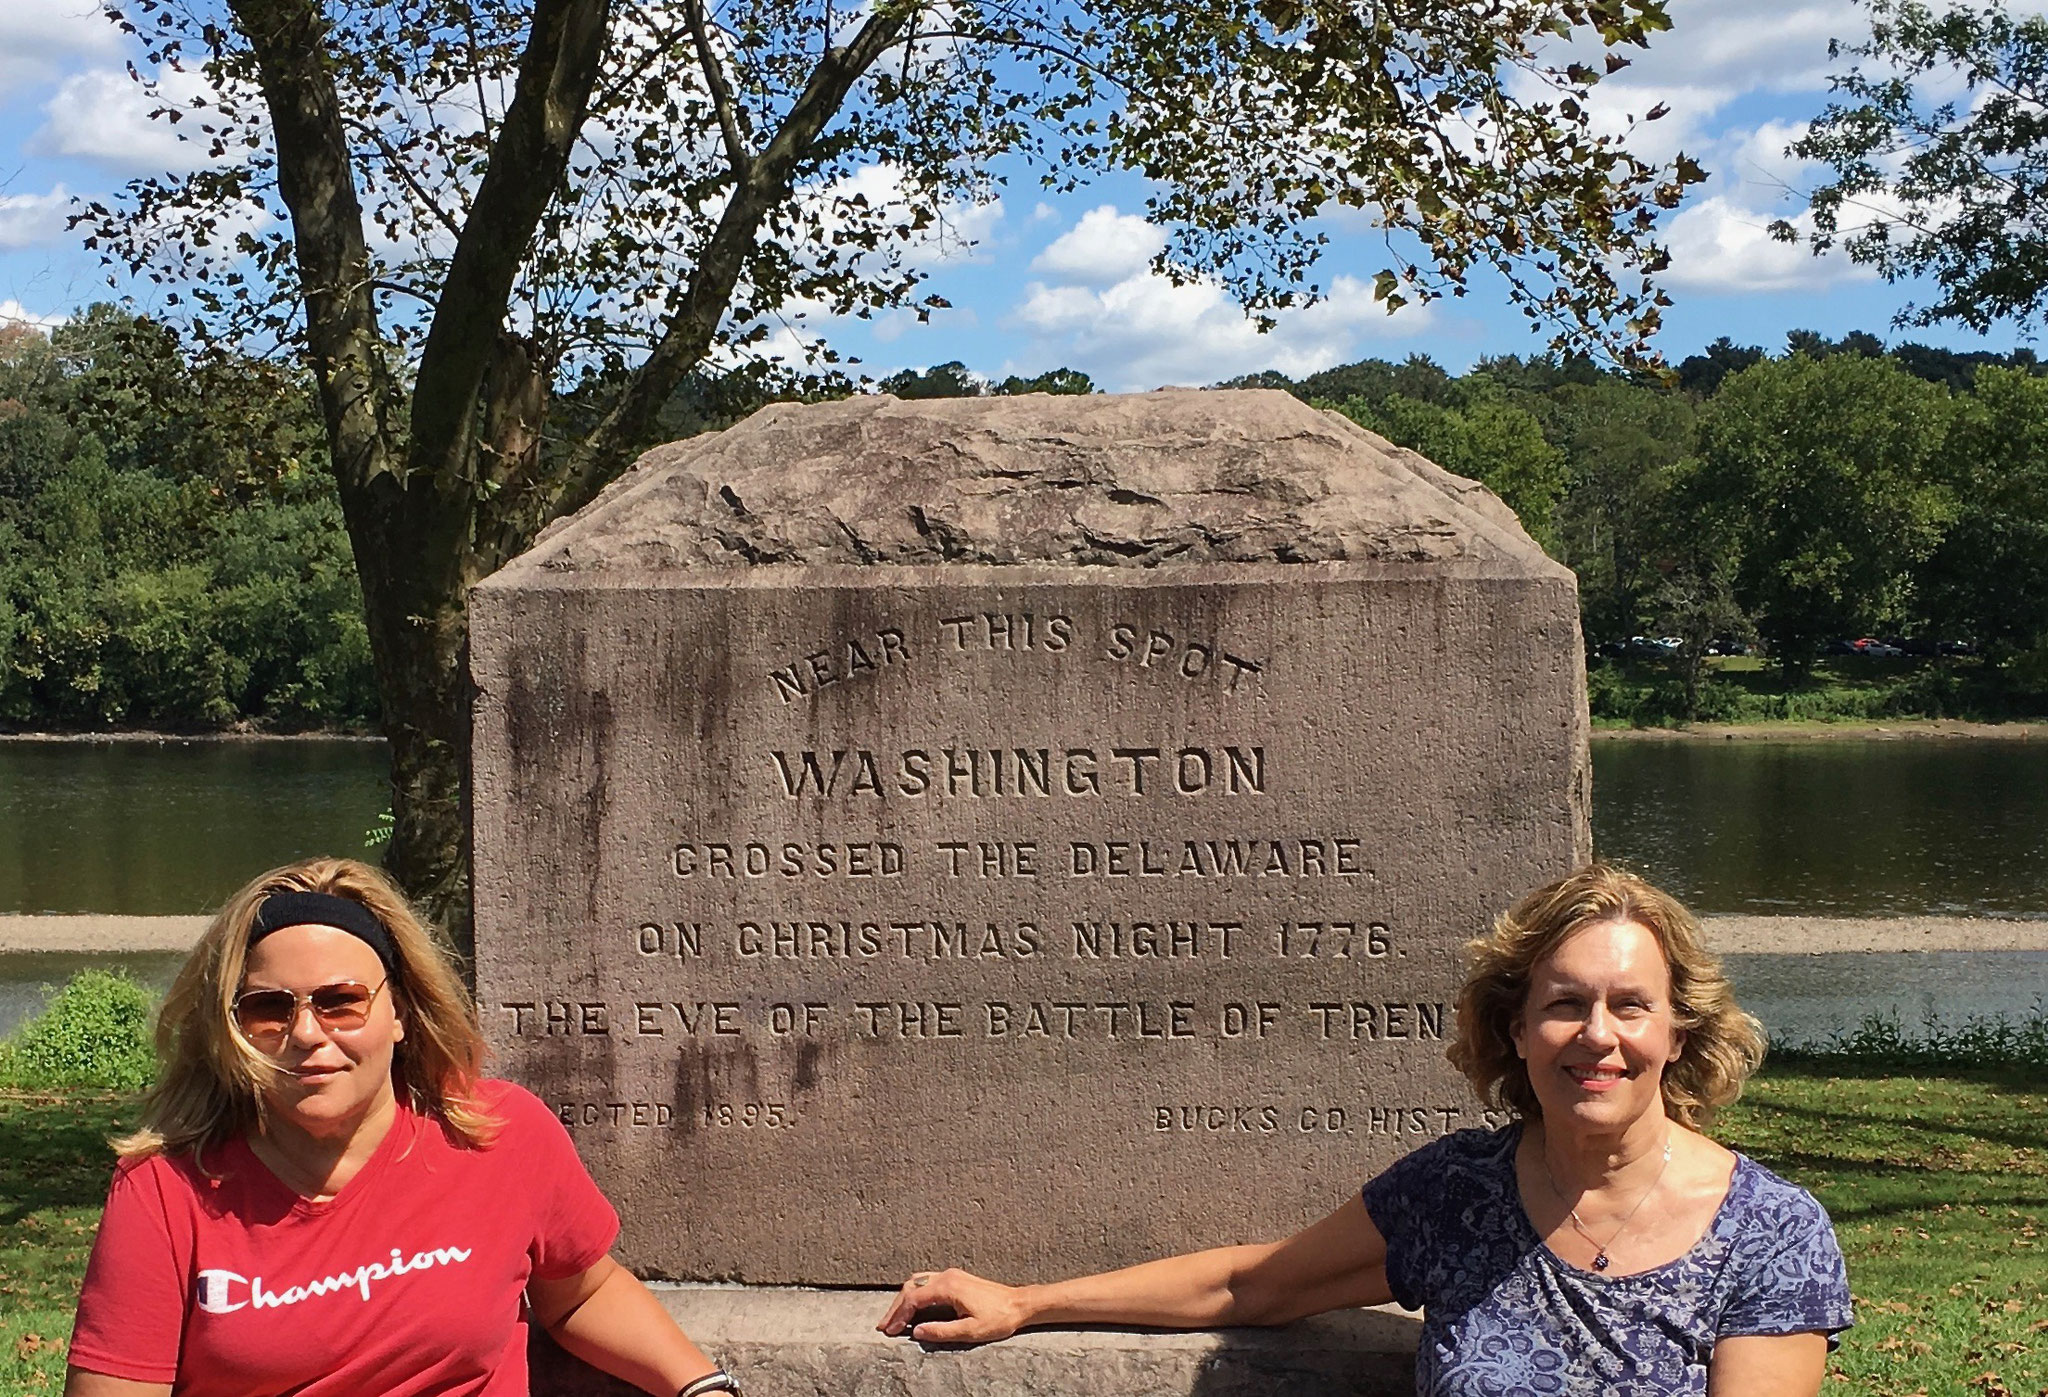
[1876, 649]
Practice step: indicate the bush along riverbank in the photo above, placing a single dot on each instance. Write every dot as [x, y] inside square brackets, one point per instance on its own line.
[1847, 689]
[1926, 1147]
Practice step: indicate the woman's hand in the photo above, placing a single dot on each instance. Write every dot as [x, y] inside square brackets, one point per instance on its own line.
[985, 1311]
[1336, 1263]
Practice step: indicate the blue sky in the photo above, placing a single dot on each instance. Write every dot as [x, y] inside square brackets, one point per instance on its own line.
[1063, 281]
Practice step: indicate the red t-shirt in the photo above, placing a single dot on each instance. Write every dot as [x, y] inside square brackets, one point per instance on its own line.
[408, 1282]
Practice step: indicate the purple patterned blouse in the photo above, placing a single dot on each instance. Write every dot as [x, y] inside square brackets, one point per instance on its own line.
[1503, 1314]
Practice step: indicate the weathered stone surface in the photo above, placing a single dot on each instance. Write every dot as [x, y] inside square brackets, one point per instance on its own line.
[813, 1343]
[926, 894]
[1117, 481]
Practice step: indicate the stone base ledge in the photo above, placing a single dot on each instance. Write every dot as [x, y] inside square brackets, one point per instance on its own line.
[822, 1343]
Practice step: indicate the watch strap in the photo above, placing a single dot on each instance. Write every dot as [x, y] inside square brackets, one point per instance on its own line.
[717, 1380]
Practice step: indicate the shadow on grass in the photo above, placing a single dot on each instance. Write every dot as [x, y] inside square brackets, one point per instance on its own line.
[1865, 1120]
[54, 1151]
[2023, 1078]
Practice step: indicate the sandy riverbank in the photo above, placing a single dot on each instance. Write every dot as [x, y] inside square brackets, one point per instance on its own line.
[94, 934]
[101, 935]
[1804, 731]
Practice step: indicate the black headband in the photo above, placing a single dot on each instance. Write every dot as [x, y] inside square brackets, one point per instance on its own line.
[280, 910]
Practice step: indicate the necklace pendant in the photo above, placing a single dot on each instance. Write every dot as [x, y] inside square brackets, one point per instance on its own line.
[1600, 1262]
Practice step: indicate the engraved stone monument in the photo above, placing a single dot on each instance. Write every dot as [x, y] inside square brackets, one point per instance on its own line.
[1028, 833]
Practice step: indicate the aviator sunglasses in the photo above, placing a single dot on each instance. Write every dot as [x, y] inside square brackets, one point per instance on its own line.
[268, 1015]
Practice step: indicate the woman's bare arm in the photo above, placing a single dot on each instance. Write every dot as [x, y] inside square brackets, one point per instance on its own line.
[609, 1320]
[1768, 1365]
[1338, 1262]
[80, 1383]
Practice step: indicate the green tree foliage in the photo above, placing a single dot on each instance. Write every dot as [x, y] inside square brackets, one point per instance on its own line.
[171, 552]
[956, 380]
[1823, 476]
[1937, 147]
[1372, 381]
[1614, 527]
[1988, 578]
[1703, 373]
[455, 211]
[1059, 382]
[1482, 434]
[1840, 490]
[951, 380]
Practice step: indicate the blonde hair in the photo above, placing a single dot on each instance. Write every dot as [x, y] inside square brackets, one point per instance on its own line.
[210, 1079]
[1722, 1047]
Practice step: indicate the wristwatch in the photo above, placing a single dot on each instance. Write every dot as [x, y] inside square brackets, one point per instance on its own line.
[717, 1380]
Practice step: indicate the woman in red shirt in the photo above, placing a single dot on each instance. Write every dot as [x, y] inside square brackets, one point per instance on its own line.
[327, 1197]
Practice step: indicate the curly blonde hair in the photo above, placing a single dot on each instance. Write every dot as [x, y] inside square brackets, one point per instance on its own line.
[1723, 1045]
[211, 1080]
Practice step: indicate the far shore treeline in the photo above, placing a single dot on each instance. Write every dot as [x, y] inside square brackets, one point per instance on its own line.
[172, 553]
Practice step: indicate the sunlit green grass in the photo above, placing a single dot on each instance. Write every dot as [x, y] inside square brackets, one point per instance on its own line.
[54, 1168]
[1938, 1186]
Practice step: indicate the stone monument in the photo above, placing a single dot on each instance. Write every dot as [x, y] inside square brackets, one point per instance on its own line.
[1028, 833]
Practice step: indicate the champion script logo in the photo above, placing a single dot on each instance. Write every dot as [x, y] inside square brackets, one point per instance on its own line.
[224, 1292]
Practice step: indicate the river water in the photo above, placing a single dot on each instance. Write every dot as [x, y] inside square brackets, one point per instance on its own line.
[1842, 828]
[171, 828]
[1834, 828]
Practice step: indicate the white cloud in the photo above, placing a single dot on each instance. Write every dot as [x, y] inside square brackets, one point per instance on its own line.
[1104, 248]
[1718, 245]
[102, 115]
[1745, 45]
[29, 219]
[1716, 52]
[1759, 161]
[38, 38]
[1143, 332]
[15, 313]
[961, 225]
[1098, 307]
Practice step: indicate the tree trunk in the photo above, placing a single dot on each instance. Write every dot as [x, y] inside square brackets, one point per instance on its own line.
[425, 681]
[438, 504]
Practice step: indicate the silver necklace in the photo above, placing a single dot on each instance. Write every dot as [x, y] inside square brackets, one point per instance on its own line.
[1601, 1260]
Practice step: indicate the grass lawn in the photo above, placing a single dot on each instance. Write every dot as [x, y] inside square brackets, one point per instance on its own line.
[1938, 1184]
[54, 1166]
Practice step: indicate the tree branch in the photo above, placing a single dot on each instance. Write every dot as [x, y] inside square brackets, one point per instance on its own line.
[688, 334]
[400, 288]
[317, 183]
[721, 96]
[527, 162]
[408, 178]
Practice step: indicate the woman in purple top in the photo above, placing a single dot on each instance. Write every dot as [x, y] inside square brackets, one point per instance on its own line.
[1601, 1243]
